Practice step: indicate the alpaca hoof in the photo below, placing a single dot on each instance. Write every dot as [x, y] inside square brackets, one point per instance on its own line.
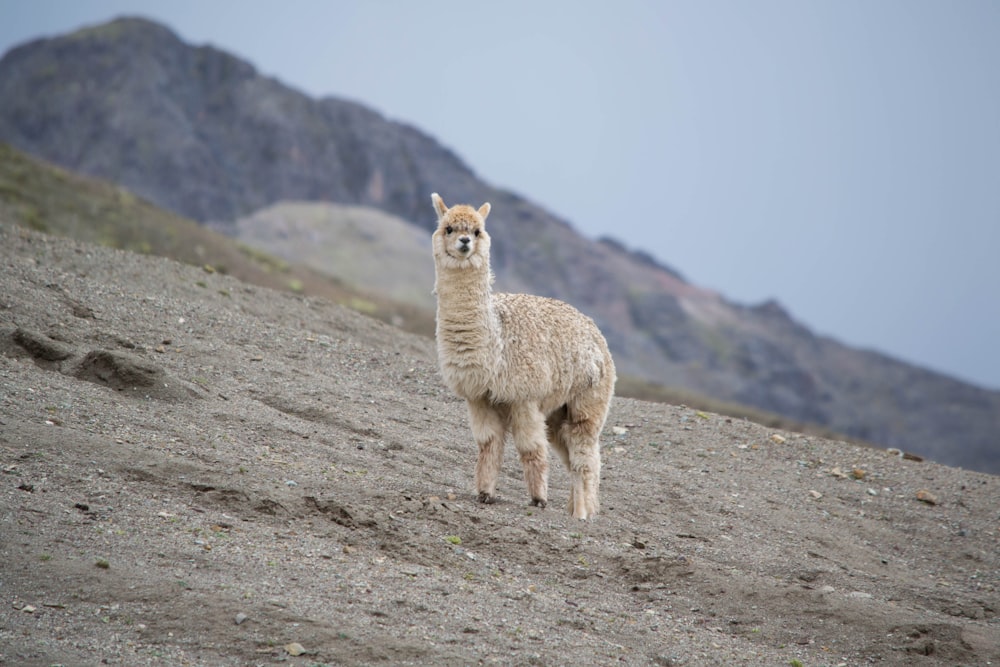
[539, 502]
[486, 498]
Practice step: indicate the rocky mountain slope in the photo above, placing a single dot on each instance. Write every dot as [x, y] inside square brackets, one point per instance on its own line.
[202, 133]
[198, 471]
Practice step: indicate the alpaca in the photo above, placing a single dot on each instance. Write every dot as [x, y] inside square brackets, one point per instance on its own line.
[531, 366]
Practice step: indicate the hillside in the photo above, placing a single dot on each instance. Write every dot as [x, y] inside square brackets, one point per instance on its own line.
[200, 132]
[49, 199]
[46, 198]
[222, 474]
[358, 245]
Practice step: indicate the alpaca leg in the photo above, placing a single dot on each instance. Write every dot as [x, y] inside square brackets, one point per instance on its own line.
[553, 431]
[584, 469]
[553, 428]
[527, 424]
[581, 435]
[489, 433]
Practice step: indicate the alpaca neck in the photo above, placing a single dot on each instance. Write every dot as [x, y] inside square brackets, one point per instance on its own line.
[468, 328]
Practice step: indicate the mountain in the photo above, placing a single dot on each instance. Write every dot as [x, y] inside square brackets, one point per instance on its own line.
[200, 132]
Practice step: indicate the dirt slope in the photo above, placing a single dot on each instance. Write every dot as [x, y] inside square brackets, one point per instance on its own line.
[196, 471]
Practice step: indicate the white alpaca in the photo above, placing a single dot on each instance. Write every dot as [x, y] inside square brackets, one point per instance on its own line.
[528, 365]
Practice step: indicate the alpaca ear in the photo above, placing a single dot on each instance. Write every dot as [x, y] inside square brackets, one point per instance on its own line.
[484, 211]
[439, 205]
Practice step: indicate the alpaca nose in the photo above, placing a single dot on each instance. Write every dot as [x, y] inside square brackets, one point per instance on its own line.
[464, 241]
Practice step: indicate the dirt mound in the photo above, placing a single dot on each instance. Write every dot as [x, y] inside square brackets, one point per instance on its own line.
[125, 373]
[313, 505]
[117, 370]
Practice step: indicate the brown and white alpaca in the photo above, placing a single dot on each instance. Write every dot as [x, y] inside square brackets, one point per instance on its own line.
[533, 367]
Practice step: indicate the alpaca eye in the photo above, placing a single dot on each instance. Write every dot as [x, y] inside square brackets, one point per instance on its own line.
[448, 230]
[476, 232]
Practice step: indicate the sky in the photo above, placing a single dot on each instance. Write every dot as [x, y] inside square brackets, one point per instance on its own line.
[842, 158]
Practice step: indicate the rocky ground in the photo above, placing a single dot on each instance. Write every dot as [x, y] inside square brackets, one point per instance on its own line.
[194, 471]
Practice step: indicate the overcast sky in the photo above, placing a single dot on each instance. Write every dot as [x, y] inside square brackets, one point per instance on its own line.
[840, 157]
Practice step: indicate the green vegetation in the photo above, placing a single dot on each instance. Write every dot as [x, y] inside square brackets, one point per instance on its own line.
[268, 262]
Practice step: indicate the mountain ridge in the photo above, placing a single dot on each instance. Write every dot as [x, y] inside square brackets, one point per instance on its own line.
[201, 132]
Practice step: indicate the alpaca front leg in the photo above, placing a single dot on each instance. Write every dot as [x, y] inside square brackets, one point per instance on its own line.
[527, 424]
[489, 433]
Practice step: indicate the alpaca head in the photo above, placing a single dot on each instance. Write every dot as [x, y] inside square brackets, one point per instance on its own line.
[460, 240]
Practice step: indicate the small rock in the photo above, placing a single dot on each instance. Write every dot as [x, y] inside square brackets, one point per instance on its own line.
[240, 618]
[925, 496]
[778, 439]
[619, 430]
[28, 609]
[826, 590]
[294, 648]
[291, 482]
[858, 473]
[837, 472]
[815, 494]
[872, 492]
[859, 595]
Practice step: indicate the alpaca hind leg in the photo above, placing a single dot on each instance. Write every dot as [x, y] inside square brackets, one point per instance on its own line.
[553, 431]
[489, 433]
[527, 425]
[581, 435]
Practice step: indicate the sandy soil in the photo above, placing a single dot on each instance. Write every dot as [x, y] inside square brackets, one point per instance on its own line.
[194, 471]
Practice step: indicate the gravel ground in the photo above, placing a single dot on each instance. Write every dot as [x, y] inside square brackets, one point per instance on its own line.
[194, 471]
